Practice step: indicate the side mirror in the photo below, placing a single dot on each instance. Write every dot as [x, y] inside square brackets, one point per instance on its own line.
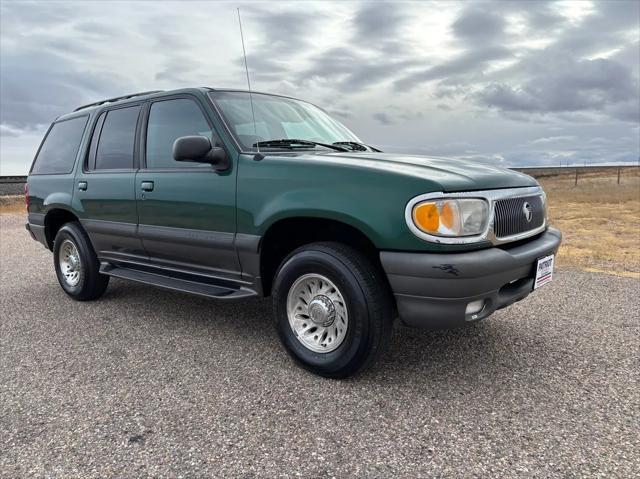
[198, 149]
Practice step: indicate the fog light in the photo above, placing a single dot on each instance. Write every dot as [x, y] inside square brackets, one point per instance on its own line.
[475, 306]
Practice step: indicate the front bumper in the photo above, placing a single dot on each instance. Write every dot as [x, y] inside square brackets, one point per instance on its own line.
[433, 290]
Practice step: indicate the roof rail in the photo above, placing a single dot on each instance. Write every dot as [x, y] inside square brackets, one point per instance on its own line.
[117, 98]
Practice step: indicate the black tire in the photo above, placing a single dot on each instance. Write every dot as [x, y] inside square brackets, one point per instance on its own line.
[368, 301]
[91, 284]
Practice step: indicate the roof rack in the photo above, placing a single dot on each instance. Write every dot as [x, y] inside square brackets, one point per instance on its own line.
[117, 98]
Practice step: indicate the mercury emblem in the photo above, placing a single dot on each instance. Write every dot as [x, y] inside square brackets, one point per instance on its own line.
[528, 213]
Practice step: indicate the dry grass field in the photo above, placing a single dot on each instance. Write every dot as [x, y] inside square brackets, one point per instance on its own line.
[599, 218]
[13, 204]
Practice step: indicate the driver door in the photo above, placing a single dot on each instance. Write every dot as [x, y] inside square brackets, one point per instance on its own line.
[186, 211]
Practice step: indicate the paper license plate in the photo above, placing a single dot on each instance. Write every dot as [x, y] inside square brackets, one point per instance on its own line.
[544, 271]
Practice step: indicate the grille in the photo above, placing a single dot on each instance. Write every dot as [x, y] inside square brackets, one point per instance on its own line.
[510, 217]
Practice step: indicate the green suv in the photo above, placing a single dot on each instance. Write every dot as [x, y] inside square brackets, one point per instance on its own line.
[230, 195]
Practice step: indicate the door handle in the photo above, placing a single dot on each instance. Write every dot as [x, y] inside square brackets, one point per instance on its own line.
[82, 185]
[146, 185]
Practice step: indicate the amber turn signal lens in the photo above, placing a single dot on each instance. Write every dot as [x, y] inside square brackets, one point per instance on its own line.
[451, 216]
[426, 217]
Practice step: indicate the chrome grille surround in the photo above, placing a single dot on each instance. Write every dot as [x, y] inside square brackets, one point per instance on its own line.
[501, 227]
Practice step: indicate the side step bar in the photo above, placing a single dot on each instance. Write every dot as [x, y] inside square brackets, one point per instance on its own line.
[176, 284]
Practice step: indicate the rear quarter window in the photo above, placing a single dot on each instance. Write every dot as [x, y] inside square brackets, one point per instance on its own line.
[59, 149]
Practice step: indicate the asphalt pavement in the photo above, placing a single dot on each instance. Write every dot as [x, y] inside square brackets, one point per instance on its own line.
[146, 382]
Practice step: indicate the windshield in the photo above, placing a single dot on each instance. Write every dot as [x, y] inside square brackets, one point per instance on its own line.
[277, 118]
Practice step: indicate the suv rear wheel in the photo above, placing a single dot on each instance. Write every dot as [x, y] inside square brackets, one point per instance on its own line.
[76, 264]
[332, 310]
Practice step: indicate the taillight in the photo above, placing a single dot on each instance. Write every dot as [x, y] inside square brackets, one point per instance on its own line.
[26, 195]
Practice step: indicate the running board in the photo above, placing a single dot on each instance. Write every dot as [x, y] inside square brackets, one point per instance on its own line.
[176, 284]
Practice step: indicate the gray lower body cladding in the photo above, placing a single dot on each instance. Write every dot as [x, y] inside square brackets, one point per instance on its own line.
[223, 255]
[433, 290]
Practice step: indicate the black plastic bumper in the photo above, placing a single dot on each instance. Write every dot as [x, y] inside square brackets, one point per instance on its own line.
[433, 290]
[35, 227]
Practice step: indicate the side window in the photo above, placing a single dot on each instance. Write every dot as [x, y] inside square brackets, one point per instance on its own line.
[169, 120]
[60, 147]
[117, 139]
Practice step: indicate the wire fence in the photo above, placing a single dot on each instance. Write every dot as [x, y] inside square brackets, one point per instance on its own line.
[577, 173]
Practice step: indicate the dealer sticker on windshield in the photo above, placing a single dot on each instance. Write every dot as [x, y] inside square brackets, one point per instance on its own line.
[544, 271]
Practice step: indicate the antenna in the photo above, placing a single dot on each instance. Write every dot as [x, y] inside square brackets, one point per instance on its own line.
[253, 114]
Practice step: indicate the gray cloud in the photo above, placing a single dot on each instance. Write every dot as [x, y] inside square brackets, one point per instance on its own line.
[378, 20]
[481, 31]
[35, 13]
[283, 30]
[264, 68]
[628, 55]
[38, 87]
[479, 24]
[627, 111]
[560, 83]
[352, 70]
[383, 118]
[539, 15]
[609, 25]
[380, 66]
[616, 16]
[178, 67]
[556, 80]
[470, 62]
[6, 130]
[543, 18]
[379, 25]
[585, 85]
[285, 33]
[97, 29]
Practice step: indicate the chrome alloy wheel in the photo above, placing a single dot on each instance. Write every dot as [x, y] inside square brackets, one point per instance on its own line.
[317, 313]
[69, 261]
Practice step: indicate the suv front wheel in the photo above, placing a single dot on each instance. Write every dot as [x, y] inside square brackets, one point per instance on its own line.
[76, 264]
[332, 309]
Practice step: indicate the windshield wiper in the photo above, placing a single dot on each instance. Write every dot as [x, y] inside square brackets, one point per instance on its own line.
[292, 142]
[355, 146]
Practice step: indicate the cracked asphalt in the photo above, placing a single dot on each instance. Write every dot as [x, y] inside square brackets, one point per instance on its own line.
[152, 383]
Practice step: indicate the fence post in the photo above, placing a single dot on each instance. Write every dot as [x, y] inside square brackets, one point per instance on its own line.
[619, 174]
[576, 182]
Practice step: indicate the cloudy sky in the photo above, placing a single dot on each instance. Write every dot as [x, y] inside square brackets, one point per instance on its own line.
[514, 83]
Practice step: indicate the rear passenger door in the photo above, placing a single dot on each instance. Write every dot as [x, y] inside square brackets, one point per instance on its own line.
[105, 187]
[186, 210]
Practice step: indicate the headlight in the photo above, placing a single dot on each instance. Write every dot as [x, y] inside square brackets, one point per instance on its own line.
[451, 217]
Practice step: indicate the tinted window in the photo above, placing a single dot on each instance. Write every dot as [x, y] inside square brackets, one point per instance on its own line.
[60, 147]
[117, 139]
[169, 120]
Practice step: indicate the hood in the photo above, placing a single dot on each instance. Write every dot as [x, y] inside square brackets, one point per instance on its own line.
[451, 174]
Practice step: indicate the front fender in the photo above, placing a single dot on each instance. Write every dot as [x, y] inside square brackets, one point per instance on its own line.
[315, 203]
[277, 188]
